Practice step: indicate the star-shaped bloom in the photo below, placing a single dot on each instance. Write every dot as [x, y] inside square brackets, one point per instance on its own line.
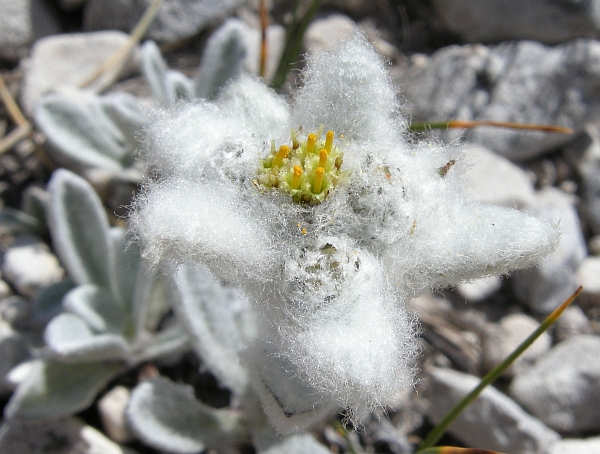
[330, 218]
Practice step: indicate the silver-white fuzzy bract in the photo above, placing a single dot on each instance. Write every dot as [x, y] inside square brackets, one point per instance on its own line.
[330, 280]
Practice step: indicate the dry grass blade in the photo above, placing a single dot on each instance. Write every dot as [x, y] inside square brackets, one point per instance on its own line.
[468, 124]
[23, 126]
[439, 430]
[454, 450]
[107, 73]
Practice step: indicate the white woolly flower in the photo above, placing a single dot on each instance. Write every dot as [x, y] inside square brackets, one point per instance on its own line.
[330, 220]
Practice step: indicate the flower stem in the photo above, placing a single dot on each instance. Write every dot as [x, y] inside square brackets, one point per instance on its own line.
[492, 375]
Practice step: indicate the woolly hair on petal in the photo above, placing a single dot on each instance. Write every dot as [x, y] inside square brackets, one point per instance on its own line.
[468, 242]
[338, 311]
[186, 138]
[290, 402]
[349, 90]
[213, 228]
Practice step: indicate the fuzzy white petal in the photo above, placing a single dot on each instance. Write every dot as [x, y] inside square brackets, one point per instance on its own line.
[212, 229]
[349, 90]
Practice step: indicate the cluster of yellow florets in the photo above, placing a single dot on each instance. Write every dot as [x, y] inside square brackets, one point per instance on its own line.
[306, 170]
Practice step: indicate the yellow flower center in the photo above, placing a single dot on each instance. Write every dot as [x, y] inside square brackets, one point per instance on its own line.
[307, 170]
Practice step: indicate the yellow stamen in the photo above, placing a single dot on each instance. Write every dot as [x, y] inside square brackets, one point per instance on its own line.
[329, 141]
[303, 231]
[296, 177]
[310, 143]
[295, 143]
[318, 180]
[282, 153]
[323, 157]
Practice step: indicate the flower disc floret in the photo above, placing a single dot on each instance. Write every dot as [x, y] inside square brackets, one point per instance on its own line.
[306, 170]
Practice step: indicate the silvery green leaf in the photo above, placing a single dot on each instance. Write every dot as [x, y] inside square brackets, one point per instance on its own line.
[48, 302]
[268, 441]
[169, 341]
[168, 417]
[154, 69]
[79, 229]
[124, 111]
[177, 87]
[71, 339]
[151, 300]
[290, 402]
[35, 200]
[223, 59]
[126, 268]
[98, 308]
[211, 313]
[53, 389]
[74, 135]
[18, 221]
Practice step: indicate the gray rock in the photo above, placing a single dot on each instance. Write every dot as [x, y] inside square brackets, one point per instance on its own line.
[492, 422]
[495, 180]
[571, 323]
[501, 339]
[60, 436]
[324, 33]
[176, 19]
[520, 81]
[543, 288]
[30, 266]
[548, 21]
[562, 388]
[571, 446]
[112, 412]
[67, 61]
[21, 23]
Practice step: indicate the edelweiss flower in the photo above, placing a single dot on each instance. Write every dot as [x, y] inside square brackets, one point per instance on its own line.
[330, 219]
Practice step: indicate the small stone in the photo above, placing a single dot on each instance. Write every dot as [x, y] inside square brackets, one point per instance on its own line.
[571, 323]
[493, 179]
[16, 310]
[572, 446]
[500, 340]
[588, 276]
[546, 21]
[60, 436]
[30, 266]
[594, 245]
[546, 286]
[562, 388]
[493, 421]
[323, 34]
[67, 61]
[112, 412]
[479, 289]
